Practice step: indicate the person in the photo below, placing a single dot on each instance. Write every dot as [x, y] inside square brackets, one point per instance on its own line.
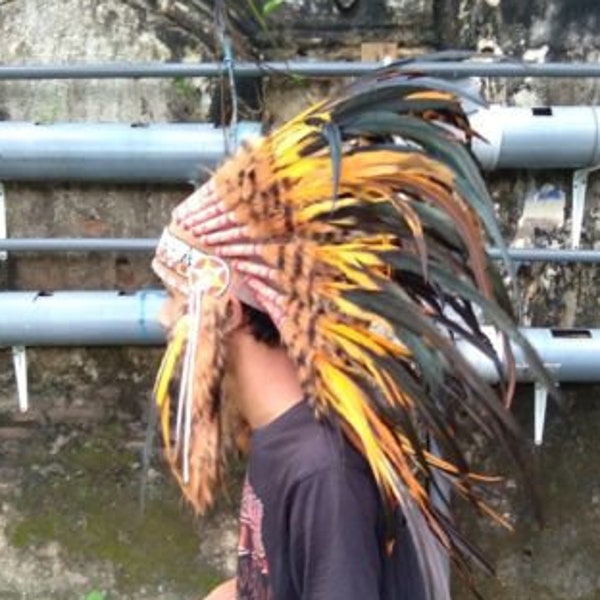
[325, 271]
[312, 524]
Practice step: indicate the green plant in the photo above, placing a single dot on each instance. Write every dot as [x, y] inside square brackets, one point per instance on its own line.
[96, 595]
[185, 88]
[271, 6]
[261, 13]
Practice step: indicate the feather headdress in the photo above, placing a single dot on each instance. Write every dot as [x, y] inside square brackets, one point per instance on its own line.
[360, 228]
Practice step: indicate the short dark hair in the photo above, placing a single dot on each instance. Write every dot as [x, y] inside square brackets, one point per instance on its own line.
[261, 326]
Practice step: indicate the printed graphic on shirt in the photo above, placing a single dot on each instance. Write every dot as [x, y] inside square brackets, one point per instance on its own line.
[253, 568]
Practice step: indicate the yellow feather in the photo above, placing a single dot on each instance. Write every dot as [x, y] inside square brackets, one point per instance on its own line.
[165, 374]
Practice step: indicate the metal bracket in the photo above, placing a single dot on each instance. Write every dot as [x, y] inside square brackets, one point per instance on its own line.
[20, 363]
[580, 181]
[539, 420]
[3, 253]
[18, 352]
[540, 404]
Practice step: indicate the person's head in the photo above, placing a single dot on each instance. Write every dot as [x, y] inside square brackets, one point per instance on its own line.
[260, 326]
[255, 349]
[249, 330]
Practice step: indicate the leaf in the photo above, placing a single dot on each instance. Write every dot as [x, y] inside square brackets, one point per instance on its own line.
[96, 595]
[257, 14]
[271, 6]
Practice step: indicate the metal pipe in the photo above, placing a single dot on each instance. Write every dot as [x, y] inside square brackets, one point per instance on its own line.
[92, 318]
[572, 355]
[149, 244]
[110, 152]
[80, 244]
[550, 255]
[80, 318]
[548, 137]
[116, 70]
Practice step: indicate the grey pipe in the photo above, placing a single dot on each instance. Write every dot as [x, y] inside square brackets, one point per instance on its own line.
[81, 245]
[550, 137]
[80, 318]
[149, 244]
[572, 355]
[473, 68]
[112, 318]
[553, 137]
[544, 255]
[105, 152]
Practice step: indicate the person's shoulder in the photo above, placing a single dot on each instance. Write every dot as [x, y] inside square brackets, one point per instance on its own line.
[302, 444]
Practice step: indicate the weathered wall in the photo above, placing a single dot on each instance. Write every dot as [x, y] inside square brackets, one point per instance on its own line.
[96, 386]
[77, 395]
[558, 561]
[89, 31]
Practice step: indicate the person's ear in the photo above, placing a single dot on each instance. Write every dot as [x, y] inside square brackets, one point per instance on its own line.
[235, 314]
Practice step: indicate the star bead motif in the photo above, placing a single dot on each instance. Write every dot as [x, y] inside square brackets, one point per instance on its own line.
[211, 275]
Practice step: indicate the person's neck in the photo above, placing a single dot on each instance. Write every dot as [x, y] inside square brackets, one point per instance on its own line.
[267, 383]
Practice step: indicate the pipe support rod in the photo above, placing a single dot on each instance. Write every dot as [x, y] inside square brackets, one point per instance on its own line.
[307, 68]
[549, 255]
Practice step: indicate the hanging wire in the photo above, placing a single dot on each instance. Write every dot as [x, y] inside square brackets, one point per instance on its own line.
[224, 44]
[228, 63]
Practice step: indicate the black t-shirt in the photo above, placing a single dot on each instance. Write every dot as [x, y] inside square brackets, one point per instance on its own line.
[312, 523]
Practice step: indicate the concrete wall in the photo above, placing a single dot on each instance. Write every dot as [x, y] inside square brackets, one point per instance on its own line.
[94, 385]
[82, 30]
